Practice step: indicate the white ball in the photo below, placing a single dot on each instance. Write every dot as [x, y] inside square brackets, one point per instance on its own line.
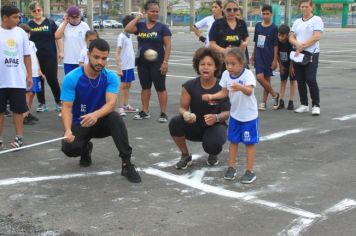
[150, 55]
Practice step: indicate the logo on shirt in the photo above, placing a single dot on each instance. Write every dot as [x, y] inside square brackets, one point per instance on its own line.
[83, 108]
[231, 38]
[283, 56]
[11, 53]
[152, 35]
[44, 28]
[247, 136]
[261, 41]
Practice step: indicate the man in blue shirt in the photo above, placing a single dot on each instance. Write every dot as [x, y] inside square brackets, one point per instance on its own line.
[89, 96]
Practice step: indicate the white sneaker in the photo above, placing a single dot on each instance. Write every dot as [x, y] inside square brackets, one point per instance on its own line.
[262, 106]
[302, 109]
[315, 111]
[121, 111]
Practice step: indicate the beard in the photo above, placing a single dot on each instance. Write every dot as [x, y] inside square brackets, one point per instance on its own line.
[96, 67]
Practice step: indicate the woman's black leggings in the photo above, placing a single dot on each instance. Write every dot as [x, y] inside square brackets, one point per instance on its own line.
[49, 67]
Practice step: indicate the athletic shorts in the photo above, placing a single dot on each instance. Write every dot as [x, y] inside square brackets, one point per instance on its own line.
[16, 97]
[243, 132]
[36, 87]
[69, 67]
[128, 76]
[148, 73]
[286, 75]
[266, 72]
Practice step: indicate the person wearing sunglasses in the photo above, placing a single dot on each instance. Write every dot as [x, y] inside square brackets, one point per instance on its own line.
[42, 34]
[72, 30]
[217, 10]
[229, 31]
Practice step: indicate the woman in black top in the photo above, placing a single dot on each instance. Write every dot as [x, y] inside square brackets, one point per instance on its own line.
[198, 120]
[229, 31]
[42, 34]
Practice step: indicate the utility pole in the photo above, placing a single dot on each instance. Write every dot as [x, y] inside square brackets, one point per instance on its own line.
[192, 14]
[47, 8]
[287, 14]
[163, 11]
[90, 13]
[127, 7]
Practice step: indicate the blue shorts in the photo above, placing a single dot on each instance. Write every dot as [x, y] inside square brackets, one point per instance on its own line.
[36, 87]
[286, 75]
[266, 72]
[128, 76]
[243, 132]
[69, 67]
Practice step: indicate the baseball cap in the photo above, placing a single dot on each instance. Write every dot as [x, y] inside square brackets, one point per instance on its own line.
[73, 11]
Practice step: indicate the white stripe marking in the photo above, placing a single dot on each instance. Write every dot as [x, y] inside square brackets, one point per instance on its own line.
[347, 117]
[297, 226]
[12, 181]
[164, 164]
[31, 145]
[195, 183]
[343, 206]
[281, 134]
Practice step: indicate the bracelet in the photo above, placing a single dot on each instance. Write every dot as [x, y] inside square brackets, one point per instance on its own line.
[217, 118]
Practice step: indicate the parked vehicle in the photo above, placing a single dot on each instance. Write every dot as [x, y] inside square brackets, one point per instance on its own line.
[112, 24]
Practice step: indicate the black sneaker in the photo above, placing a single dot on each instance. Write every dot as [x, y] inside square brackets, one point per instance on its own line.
[281, 105]
[142, 115]
[32, 117]
[1, 144]
[18, 142]
[212, 160]
[8, 113]
[163, 118]
[85, 159]
[276, 100]
[28, 121]
[290, 105]
[130, 172]
[248, 177]
[184, 162]
[230, 173]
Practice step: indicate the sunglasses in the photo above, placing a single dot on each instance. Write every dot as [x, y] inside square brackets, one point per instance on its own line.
[235, 9]
[36, 10]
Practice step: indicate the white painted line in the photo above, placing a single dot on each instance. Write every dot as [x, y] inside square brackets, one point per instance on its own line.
[346, 62]
[12, 181]
[31, 145]
[281, 134]
[347, 117]
[348, 50]
[197, 184]
[301, 224]
[164, 164]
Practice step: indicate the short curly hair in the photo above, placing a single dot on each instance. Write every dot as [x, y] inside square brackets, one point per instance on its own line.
[207, 52]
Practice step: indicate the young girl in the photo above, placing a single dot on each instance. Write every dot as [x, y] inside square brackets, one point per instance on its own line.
[239, 84]
[89, 37]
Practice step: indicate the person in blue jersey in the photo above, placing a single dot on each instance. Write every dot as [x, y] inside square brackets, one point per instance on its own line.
[154, 49]
[265, 55]
[89, 98]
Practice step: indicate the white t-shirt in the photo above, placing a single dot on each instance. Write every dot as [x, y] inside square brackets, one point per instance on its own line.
[83, 57]
[304, 30]
[243, 107]
[205, 22]
[74, 42]
[34, 61]
[127, 54]
[14, 45]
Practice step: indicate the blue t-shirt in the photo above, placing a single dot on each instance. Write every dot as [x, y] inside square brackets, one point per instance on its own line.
[87, 95]
[152, 38]
[265, 38]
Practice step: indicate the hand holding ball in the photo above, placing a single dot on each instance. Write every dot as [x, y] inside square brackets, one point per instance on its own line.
[189, 117]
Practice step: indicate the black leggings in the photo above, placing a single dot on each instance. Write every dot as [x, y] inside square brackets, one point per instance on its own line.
[212, 137]
[49, 67]
[306, 75]
[110, 125]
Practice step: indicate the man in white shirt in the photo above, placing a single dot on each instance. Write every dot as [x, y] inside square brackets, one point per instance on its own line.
[72, 30]
[16, 72]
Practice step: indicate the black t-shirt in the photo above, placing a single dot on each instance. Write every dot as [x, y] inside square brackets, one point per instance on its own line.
[152, 38]
[224, 36]
[43, 37]
[284, 50]
[198, 106]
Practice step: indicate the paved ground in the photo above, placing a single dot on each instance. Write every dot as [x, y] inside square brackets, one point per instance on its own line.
[305, 167]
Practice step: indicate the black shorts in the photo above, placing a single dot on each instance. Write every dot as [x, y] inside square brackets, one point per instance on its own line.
[148, 73]
[16, 98]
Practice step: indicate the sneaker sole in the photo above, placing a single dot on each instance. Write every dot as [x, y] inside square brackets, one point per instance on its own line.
[141, 118]
[215, 164]
[228, 178]
[248, 182]
[185, 167]
[315, 114]
[162, 121]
